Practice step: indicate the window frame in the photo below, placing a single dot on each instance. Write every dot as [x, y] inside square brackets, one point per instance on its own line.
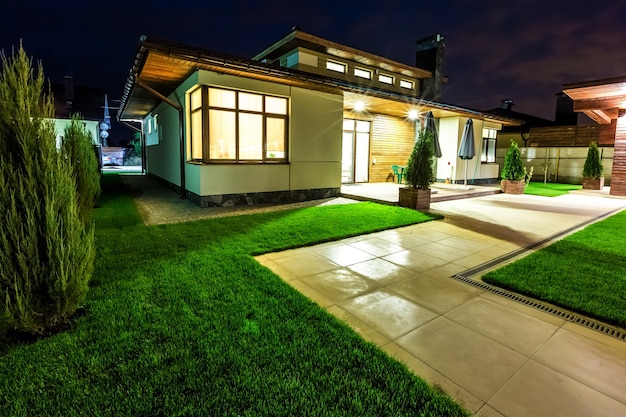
[490, 136]
[330, 63]
[205, 109]
[408, 84]
[363, 71]
[391, 79]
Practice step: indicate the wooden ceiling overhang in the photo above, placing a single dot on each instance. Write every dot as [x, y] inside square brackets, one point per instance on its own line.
[163, 66]
[601, 100]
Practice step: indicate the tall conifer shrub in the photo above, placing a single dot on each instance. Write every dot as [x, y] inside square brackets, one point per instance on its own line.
[77, 149]
[46, 251]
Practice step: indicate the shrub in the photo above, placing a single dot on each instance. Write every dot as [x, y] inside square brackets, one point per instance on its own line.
[419, 170]
[593, 164]
[513, 168]
[46, 252]
[77, 150]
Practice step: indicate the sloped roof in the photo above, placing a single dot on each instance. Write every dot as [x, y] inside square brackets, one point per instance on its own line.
[163, 66]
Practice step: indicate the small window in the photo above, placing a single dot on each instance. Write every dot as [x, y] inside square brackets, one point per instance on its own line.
[406, 84]
[156, 125]
[488, 154]
[336, 66]
[385, 79]
[149, 126]
[363, 73]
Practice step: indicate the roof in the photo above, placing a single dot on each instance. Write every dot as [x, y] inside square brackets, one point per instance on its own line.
[527, 121]
[163, 66]
[298, 38]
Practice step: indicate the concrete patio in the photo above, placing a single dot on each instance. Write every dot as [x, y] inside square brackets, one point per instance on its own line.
[496, 356]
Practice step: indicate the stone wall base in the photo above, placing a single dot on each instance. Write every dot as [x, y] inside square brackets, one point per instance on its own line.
[275, 197]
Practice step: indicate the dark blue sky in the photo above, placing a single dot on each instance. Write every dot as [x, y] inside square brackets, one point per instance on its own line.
[518, 49]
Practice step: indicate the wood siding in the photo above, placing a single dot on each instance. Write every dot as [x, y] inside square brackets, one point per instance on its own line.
[563, 136]
[618, 181]
[391, 143]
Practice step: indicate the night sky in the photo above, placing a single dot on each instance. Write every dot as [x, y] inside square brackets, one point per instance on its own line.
[495, 50]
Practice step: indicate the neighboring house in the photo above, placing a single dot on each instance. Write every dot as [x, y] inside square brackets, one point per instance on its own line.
[295, 122]
[70, 99]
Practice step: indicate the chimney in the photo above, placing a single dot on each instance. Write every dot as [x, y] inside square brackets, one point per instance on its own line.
[429, 56]
[507, 104]
[564, 114]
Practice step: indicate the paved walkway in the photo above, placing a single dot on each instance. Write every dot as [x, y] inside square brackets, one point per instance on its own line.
[497, 357]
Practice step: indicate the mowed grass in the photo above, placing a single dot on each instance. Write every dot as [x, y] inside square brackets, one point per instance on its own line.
[550, 189]
[181, 320]
[585, 272]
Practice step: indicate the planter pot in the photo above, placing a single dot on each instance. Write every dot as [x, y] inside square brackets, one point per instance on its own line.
[593, 183]
[415, 198]
[512, 186]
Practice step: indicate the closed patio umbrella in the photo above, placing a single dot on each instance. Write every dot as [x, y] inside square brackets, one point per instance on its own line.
[430, 125]
[466, 149]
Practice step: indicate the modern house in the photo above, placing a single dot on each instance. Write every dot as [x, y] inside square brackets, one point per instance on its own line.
[294, 122]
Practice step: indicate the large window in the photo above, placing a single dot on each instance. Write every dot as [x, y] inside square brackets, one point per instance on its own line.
[488, 154]
[237, 126]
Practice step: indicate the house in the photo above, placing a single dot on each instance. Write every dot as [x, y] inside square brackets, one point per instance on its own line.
[71, 99]
[293, 123]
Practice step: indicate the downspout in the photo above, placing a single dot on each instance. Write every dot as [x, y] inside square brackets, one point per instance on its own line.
[181, 119]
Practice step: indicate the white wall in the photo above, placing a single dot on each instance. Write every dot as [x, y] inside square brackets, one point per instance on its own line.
[314, 143]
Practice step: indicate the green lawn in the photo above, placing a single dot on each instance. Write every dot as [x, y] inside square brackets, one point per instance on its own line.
[181, 320]
[550, 189]
[585, 272]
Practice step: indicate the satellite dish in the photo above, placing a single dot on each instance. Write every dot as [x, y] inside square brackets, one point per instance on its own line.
[104, 126]
[104, 134]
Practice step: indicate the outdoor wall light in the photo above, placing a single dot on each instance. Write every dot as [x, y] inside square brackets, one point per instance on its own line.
[413, 114]
[359, 106]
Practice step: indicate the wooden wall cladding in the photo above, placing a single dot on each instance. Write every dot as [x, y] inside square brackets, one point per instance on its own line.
[391, 143]
[564, 136]
[618, 181]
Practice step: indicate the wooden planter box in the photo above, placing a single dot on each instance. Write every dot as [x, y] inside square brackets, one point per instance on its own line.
[593, 183]
[512, 186]
[415, 198]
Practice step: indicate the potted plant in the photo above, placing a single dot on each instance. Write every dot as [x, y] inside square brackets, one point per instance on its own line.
[592, 171]
[418, 174]
[513, 171]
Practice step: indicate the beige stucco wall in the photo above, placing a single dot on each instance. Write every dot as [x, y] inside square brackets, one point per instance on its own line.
[162, 159]
[314, 143]
[453, 167]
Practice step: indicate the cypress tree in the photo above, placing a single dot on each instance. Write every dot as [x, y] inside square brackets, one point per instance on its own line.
[77, 149]
[513, 168]
[419, 170]
[593, 165]
[46, 251]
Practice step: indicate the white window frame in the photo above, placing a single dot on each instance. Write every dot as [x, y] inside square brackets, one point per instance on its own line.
[409, 85]
[386, 79]
[362, 73]
[336, 66]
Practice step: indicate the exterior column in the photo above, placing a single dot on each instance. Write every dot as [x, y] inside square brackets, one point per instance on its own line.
[618, 177]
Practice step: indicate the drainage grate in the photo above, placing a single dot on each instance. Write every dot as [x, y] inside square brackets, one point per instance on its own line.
[608, 330]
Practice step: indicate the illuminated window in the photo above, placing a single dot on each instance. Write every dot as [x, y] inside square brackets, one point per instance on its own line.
[386, 79]
[363, 73]
[406, 84]
[336, 66]
[488, 154]
[237, 126]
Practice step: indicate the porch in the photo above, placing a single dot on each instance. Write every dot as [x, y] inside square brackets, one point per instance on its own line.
[387, 192]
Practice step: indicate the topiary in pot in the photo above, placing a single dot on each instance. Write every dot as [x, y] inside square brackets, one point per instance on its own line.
[513, 171]
[593, 169]
[419, 174]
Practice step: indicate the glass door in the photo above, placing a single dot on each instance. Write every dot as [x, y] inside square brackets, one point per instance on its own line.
[355, 158]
